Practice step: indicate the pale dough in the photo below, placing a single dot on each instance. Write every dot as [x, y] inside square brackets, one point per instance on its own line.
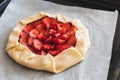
[59, 63]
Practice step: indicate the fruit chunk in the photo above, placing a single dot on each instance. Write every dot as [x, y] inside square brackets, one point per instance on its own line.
[30, 41]
[64, 36]
[37, 44]
[46, 22]
[60, 29]
[43, 52]
[72, 30]
[27, 28]
[42, 37]
[60, 47]
[53, 52]
[36, 23]
[52, 31]
[66, 25]
[72, 40]
[58, 41]
[47, 47]
[23, 41]
[23, 34]
[56, 35]
[33, 33]
[39, 27]
[48, 40]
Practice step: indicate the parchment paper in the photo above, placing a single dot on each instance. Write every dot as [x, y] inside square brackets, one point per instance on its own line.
[101, 25]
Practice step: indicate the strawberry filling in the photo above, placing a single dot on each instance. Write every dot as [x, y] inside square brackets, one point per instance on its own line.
[48, 36]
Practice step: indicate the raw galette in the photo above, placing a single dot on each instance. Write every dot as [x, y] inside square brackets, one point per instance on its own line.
[48, 42]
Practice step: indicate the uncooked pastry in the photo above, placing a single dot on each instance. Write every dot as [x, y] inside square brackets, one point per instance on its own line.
[67, 58]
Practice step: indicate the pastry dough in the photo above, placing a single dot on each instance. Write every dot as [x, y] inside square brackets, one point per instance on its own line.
[67, 58]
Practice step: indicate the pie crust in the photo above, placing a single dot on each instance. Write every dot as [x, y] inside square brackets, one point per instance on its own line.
[67, 58]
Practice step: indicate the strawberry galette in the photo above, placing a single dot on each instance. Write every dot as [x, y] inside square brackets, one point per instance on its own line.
[48, 42]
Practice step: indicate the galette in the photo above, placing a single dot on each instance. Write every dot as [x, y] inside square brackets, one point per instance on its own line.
[48, 42]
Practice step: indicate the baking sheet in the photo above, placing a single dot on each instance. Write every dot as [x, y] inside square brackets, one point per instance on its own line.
[101, 25]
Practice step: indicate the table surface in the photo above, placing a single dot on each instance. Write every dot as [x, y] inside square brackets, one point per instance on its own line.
[114, 70]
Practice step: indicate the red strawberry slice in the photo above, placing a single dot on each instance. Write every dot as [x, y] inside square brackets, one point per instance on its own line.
[46, 22]
[46, 33]
[52, 31]
[60, 47]
[71, 31]
[48, 40]
[37, 44]
[64, 36]
[53, 52]
[23, 41]
[32, 25]
[60, 29]
[72, 41]
[27, 28]
[53, 24]
[24, 34]
[33, 33]
[42, 37]
[36, 23]
[30, 41]
[66, 25]
[56, 35]
[43, 52]
[58, 41]
[67, 46]
[47, 47]
[39, 27]
[37, 52]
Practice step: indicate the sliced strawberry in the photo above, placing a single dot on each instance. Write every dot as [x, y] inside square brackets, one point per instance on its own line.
[37, 44]
[72, 41]
[61, 30]
[46, 33]
[52, 31]
[30, 41]
[66, 25]
[39, 27]
[47, 47]
[42, 37]
[64, 36]
[48, 40]
[24, 34]
[53, 24]
[58, 41]
[67, 46]
[43, 52]
[71, 31]
[46, 22]
[27, 28]
[56, 35]
[33, 33]
[60, 47]
[53, 52]
[36, 23]
[23, 41]
[32, 25]
[38, 52]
